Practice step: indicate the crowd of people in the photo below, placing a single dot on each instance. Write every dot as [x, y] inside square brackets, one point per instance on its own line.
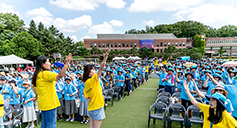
[76, 89]
[211, 81]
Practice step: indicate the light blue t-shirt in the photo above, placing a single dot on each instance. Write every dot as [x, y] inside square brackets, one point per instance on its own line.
[120, 77]
[68, 90]
[169, 81]
[183, 94]
[232, 95]
[161, 76]
[13, 100]
[28, 96]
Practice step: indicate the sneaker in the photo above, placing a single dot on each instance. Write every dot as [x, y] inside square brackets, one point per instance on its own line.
[68, 119]
[83, 121]
[60, 118]
[32, 125]
[87, 121]
[28, 126]
[72, 120]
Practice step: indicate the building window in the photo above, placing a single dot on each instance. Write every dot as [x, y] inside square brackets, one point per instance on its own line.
[176, 43]
[111, 45]
[161, 50]
[115, 44]
[95, 44]
[135, 44]
[158, 50]
[123, 44]
[165, 44]
[103, 44]
[168, 43]
[183, 43]
[107, 44]
[119, 44]
[173, 43]
[91, 45]
[157, 44]
[131, 45]
[127, 45]
[161, 44]
[99, 45]
[179, 43]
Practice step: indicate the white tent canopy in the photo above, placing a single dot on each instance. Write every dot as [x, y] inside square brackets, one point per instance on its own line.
[12, 59]
[119, 58]
[133, 58]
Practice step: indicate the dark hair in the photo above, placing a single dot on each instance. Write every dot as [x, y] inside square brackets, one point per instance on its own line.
[87, 70]
[40, 60]
[216, 118]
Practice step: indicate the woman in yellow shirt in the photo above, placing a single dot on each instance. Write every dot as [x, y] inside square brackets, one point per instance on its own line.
[93, 93]
[44, 88]
[215, 115]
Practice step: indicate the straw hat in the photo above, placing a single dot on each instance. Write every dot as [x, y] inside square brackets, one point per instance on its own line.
[221, 88]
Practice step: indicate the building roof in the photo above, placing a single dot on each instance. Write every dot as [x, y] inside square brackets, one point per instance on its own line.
[137, 36]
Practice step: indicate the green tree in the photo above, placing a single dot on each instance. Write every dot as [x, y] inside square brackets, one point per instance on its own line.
[9, 21]
[32, 30]
[23, 45]
[95, 51]
[133, 51]
[5, 35]
[221, 51]
[199, 42]
[83, 52]
[169, 52]
[145, 52]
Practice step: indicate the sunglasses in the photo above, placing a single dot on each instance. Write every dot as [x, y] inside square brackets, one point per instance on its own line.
[218, 90]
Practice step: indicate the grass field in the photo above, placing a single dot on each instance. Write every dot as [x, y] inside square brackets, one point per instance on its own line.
[129, 112]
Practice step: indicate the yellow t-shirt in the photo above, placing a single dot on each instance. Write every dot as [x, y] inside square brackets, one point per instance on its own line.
[46, 92]
[147, 68]
[1, 105]
[164, 62]
[94, 91]
[227, 120]
[156, 62]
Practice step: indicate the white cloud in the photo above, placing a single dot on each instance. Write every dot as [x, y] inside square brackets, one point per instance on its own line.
[115, 3]
[39, 12]
[161, 5]
[82, 5]
[7, 9]
[74, 38]
[209, 14]
[116, 23]
[149, 23]
[85, 37]
[101, 28]
[71, 25]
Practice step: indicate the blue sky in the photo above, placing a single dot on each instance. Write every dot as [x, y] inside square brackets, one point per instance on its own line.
[81, 19]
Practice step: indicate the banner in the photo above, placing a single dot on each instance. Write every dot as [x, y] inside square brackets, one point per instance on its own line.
[146, 43]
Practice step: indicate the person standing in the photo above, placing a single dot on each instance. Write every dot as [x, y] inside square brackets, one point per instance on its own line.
[44, 86]
[93, 93]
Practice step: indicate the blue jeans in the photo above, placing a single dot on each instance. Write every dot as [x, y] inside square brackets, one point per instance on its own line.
[49, 118]
[170, 89]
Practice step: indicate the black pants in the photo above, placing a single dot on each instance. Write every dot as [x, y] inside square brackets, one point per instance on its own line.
[121, 91]
[134, 82]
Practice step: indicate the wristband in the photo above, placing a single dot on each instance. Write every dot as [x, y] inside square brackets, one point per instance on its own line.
[66, 66]
[103, 64]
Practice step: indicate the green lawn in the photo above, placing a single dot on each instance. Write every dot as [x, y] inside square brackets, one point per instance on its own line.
[129, 112]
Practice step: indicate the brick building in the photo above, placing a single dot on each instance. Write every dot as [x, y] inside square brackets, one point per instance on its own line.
[227, 43]
[127, 41]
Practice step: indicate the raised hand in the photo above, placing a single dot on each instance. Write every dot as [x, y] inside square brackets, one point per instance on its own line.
[105, 55]
[186, 85]
[68, 58]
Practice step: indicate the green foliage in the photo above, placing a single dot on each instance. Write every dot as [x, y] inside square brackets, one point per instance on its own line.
[23, 45]
[145, 52]
[199, 42]
[221, 51]
[169, 52]
[10, 21]
[133, 51]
